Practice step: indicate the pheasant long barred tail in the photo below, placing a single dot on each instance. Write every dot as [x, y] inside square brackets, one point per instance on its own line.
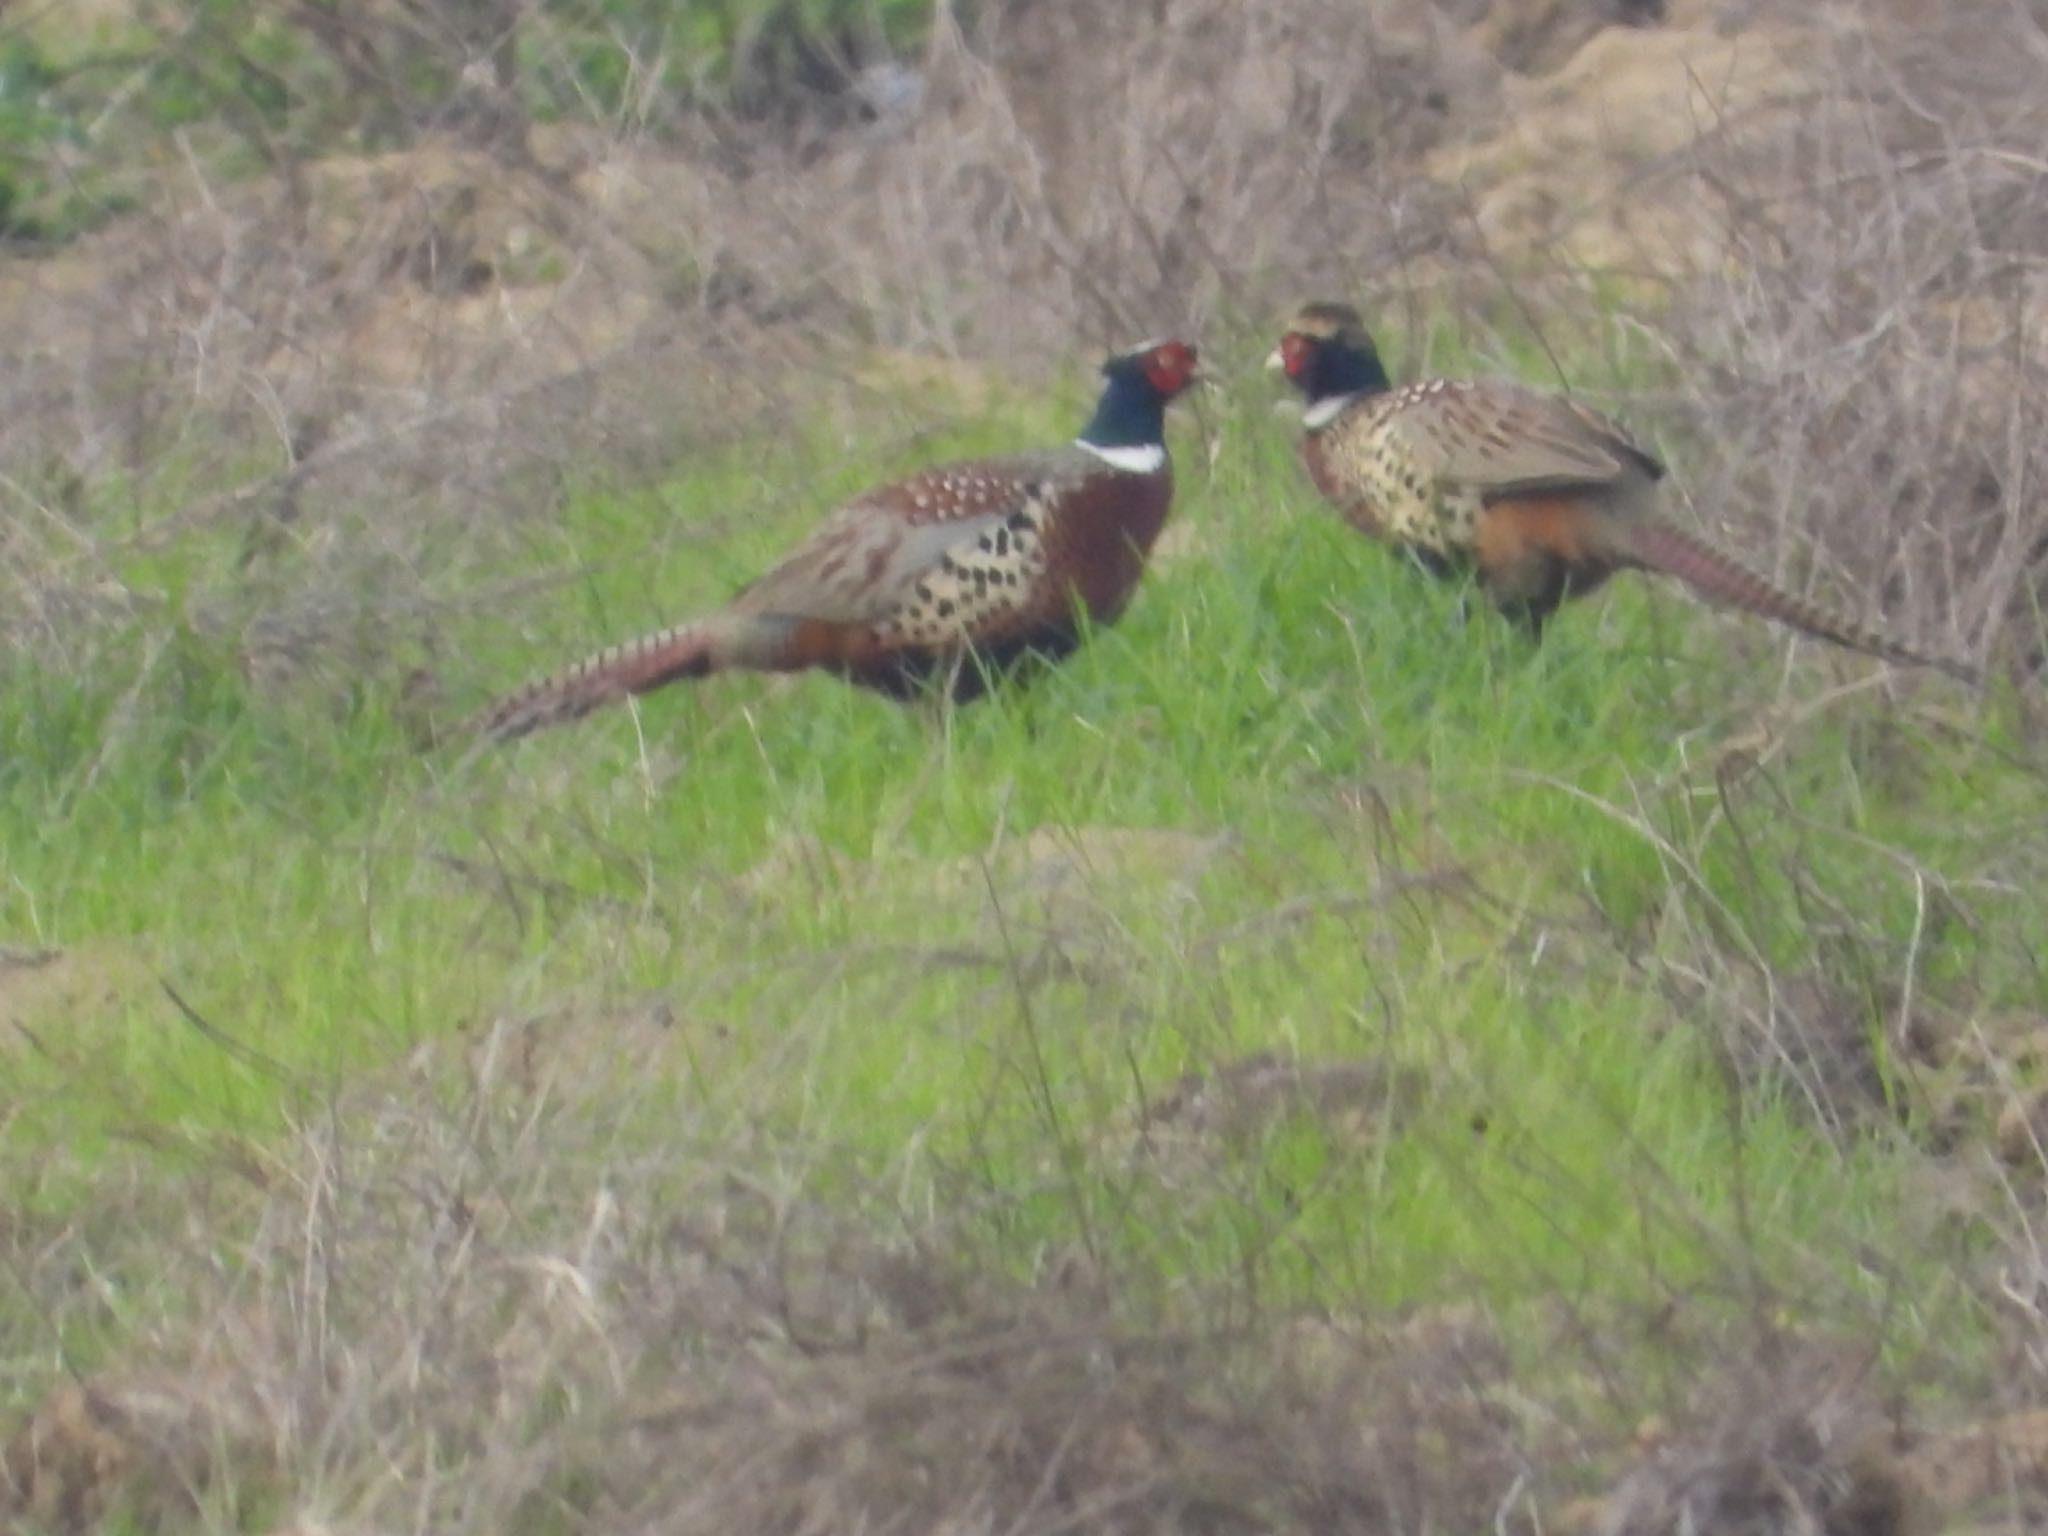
[667, 655]
[1671, 551]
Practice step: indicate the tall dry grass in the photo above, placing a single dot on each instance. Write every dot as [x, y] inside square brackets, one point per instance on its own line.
[1868, 374]
[498, 1312]
[441, 331]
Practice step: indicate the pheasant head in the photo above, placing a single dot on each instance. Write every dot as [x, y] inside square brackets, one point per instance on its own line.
[1138, 385]
[1329, 355]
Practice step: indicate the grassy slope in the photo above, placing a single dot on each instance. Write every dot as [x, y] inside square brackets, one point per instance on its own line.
[1546, 885]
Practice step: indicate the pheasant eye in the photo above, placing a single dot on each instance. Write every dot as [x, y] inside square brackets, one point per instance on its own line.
[1295, 351]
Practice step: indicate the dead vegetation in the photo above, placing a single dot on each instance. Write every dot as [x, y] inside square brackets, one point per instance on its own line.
[495, 1289]
[1827, 221]
[498, 1312]
[1875, 351]
[496, 1323]
[478, 1311]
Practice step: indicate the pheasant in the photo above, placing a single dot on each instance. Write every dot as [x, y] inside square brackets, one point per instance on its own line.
[1543, 498]
[949, 578]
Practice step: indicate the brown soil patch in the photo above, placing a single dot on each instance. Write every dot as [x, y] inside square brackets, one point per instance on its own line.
[45, 993]
[1586, 168]
[148, 1444]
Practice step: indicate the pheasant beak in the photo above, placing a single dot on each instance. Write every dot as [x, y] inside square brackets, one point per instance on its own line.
[1276, 361]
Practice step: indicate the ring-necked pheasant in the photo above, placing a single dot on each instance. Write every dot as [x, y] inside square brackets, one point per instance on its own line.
[1542, 498]
[952, 575]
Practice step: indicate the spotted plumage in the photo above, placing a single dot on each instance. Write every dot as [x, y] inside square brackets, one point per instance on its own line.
[1542, 498]
[950, 576]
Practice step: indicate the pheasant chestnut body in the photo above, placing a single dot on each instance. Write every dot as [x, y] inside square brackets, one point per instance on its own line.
[949, 577]
[1542, 498]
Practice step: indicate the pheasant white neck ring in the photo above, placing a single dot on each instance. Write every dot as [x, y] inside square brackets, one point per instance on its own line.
[1328, 409]
[1132, 459]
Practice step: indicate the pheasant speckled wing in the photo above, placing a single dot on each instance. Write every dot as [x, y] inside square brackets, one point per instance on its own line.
[1497, 438]
[967, 541]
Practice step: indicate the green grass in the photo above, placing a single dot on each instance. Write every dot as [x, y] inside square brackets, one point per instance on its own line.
[1537, 882]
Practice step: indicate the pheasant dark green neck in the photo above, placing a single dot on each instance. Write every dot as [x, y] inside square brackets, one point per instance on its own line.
[1131, 413]
[1342, 367]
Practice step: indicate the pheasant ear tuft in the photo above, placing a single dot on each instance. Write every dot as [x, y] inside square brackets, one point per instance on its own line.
[1328, 319]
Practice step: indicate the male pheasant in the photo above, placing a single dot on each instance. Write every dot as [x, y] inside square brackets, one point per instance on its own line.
[948, 578]
[1541, 497]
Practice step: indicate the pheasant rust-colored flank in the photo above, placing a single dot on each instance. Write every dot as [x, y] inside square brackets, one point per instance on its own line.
[951, 575]
[1542, 497]
[1425, 461]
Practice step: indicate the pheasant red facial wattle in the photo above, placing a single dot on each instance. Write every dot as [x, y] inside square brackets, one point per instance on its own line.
[947, 579]
[1169, 366]
[1541, 498]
